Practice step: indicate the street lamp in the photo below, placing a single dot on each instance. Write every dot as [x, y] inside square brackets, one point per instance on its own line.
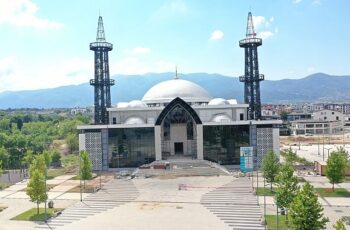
[81, 195]
[46, 194]
[328, 152]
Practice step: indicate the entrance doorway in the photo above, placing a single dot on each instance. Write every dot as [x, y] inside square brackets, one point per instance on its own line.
[179, 148]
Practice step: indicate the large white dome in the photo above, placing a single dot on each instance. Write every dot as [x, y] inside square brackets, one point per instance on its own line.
[166, 91]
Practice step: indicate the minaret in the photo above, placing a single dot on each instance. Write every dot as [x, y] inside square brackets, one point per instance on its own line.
[101, 81]
[251, 76]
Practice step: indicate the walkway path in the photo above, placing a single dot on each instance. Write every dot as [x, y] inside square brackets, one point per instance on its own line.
[114, 194]
[235, 204]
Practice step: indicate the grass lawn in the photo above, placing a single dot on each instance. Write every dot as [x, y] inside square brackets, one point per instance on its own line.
[265, 191]
[4, 185]
[271, 222]
[32, 215]
[87, 189]
[328, 192]
[2, 208]
[52, 173]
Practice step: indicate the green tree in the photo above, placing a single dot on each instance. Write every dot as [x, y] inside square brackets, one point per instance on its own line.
[287, 186]
[339, 225]
[36, 188]
[72, 142]
[4, 156]
[28, 157]
[38, 163]
[56, 158]
[0, 167]
[305, 212]
[270, 167]
[336, 165]
[86, 166]
[47, 157]
[290, 156]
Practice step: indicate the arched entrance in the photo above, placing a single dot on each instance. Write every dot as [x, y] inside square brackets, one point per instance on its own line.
[177, 127]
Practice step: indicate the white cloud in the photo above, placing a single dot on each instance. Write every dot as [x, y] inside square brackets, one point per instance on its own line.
[17, 75]
[22, 13]
[141, 50]
[297, 1]
[265, 34]
[258, 21]
[217, 35]
[310, 69]
[263, 26]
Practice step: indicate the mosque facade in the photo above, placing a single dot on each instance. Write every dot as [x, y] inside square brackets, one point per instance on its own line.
[177, 119]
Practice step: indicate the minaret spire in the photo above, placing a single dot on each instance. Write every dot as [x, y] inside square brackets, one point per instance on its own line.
[250, 27]
[251, 77]
[100, 37]
[101, 81]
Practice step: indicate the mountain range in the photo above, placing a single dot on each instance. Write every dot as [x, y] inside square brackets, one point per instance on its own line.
[316, 87]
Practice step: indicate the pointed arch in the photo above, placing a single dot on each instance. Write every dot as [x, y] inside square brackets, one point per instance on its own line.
[172, 105]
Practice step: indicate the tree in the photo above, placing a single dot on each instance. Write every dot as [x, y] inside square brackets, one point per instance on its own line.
[336, 165]
[290, 156]
[36, 188]
[4, 156]
[305, 212]
[287, 186]
[38, 163]
[339, 225]
[48, 159]
[86, 166]
[0, 167]
[72, 142]
[28, 157]
[270, 167]
[56, 158]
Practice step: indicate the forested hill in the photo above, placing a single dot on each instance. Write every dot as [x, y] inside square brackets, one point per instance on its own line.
[316, 87]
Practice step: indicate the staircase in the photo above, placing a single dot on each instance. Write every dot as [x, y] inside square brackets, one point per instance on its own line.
[184, 167]
[114, 194]
[235, 204]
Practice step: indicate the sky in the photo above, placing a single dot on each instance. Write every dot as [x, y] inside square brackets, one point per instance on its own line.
[45, 44]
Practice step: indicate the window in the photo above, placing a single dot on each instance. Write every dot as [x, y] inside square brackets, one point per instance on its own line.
[324, 118]
[337, 118]
[332, 113]
[241, 116]
[114, 120]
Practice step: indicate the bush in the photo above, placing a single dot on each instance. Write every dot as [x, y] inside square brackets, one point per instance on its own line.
[56, 159]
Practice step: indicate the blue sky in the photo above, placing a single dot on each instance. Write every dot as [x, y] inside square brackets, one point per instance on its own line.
[45, 43]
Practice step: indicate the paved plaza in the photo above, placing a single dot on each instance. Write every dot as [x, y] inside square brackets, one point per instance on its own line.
[194, 202]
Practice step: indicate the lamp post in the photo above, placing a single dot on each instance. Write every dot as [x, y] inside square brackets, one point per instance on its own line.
[264, 205]
[81, 195]
[46, 194]
[328, 152]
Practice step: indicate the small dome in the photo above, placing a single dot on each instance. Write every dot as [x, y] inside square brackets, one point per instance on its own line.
[122, 104]
[166, 91]
[136, 104]
[218, 101]
[232, 101]
[221, 118]
[134, 121]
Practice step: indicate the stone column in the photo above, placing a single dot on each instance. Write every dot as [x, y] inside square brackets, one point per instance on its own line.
[158, 142]
[199, 142]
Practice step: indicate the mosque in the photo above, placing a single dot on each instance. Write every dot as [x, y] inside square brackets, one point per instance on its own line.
[175, 119]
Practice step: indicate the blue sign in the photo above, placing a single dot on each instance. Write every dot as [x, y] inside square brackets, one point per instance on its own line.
[246, 164]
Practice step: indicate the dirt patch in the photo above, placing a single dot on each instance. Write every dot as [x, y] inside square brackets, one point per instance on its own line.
[153, 206]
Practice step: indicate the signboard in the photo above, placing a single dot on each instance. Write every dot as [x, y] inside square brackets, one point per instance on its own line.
[246, 159]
